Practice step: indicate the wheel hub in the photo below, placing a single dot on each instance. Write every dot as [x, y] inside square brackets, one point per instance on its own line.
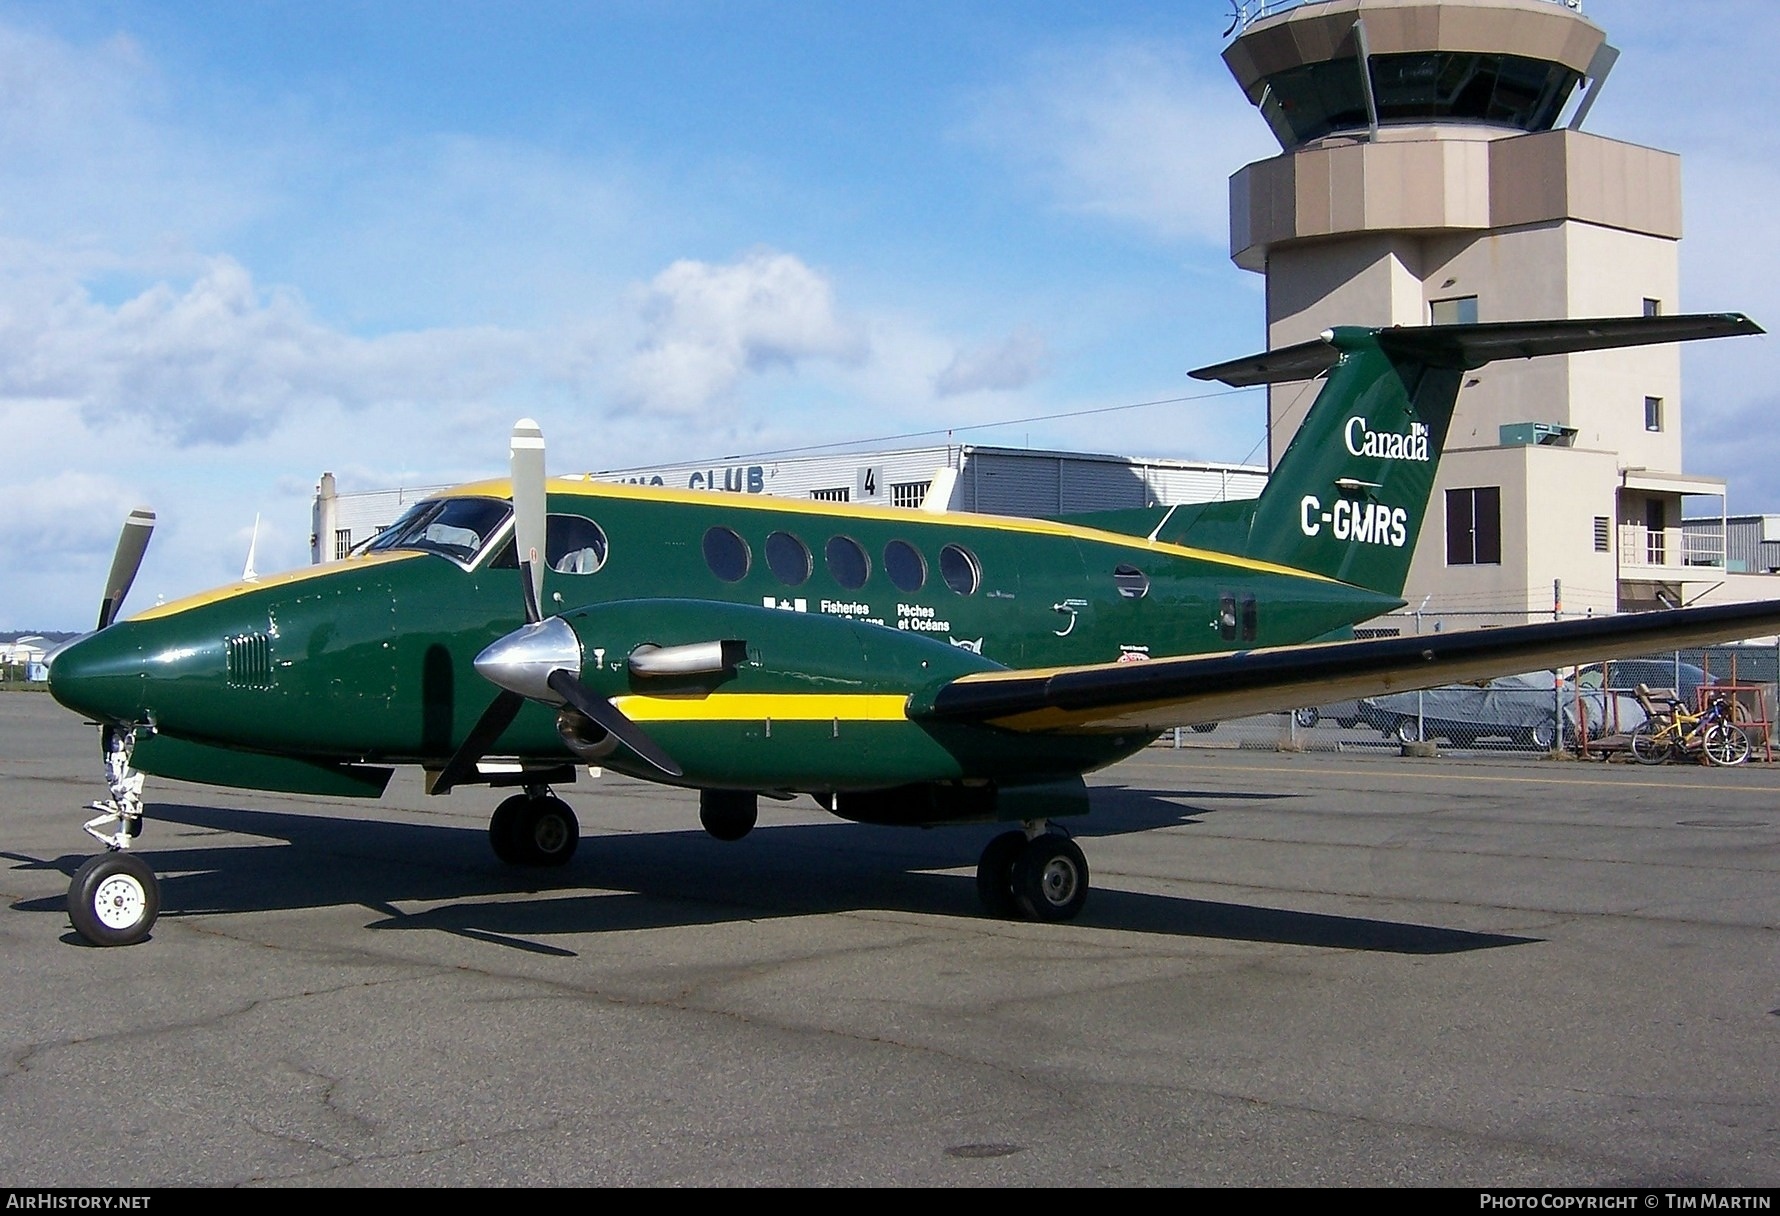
[119, 902]
[1058, 881]
[550, 834]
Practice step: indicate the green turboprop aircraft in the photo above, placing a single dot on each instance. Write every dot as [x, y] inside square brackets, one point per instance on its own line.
[902, 667]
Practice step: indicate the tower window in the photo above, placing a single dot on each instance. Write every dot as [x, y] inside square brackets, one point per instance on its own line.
[1461, 310]
[1653, 413]
[1474, 526]
[1603, 534]
[1652, 308]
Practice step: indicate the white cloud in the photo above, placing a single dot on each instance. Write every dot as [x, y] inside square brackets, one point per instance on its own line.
[1012, 363]
[62, 515]
[708, 326]
[218, 359]
[1146, 134]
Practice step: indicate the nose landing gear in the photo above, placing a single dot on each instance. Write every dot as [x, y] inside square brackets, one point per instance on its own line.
[535, 828]
[115, 897]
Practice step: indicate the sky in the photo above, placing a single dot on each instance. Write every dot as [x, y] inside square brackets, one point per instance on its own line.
[243, 243]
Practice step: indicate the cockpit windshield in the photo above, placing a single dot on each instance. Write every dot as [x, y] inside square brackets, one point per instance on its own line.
[455, 527]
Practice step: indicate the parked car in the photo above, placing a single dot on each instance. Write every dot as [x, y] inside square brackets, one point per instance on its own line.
[1520, 711]
[1624, 675]
[1345, 714]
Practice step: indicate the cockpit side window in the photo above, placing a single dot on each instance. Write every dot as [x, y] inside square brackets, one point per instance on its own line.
[574, 544]
[457, 528]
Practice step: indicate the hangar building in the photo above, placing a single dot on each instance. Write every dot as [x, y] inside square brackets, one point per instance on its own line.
[991, 480]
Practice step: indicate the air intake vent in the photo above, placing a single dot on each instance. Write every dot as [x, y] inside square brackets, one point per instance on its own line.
[250, 661]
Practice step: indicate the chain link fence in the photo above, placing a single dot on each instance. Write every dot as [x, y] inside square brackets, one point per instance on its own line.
[1589, 709]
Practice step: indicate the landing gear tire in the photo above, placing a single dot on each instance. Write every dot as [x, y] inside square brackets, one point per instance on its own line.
[528, 831]
[995, 875]
[1050, 879]
[114, 899]
[728, 814]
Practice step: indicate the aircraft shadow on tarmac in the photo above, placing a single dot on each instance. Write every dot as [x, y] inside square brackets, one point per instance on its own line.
[674, 878]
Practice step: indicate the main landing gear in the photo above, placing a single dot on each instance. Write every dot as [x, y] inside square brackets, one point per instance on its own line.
[728, 814]
[535, 828]
[1037, 874]
[115, 897]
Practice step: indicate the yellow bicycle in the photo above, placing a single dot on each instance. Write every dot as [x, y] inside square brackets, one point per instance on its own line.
[1672, 732]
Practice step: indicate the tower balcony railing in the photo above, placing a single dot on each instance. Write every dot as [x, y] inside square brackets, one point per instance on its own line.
[1641, 547]
[1250, 11]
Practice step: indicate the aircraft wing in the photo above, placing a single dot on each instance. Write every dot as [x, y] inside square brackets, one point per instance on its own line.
[1161, 693]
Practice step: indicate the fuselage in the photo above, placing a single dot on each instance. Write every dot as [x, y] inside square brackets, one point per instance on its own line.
[847, 611]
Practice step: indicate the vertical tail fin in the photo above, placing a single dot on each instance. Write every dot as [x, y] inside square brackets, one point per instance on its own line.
[1349, 496]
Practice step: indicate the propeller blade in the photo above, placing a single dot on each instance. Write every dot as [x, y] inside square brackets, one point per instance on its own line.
[526, 454]
[607, 715]
[132, 543]
[494, 720]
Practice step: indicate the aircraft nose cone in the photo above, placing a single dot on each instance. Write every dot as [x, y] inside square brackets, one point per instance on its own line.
[522, 661]
[100, 675]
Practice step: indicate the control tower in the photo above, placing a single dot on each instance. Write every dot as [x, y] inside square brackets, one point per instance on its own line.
[1433, 169]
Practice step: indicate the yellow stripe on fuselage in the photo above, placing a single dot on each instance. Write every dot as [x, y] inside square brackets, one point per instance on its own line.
[760, 706]
[501, 488]
[229, 591]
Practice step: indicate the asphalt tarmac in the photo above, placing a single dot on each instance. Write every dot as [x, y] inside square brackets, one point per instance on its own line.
[1295, 969]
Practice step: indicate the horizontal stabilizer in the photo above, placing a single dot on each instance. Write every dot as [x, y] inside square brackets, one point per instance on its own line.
[1471, 346]
[1209, 688]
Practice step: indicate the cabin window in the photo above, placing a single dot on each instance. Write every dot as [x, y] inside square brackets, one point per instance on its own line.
[1227, 616]
[788, 558]
[727, 554]
[847, 562]
[959, 567]
[454, 527]
[1133, 584]
[905, 565]
[574, 544]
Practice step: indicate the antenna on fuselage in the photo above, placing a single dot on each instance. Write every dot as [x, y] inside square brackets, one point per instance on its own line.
[248, 573]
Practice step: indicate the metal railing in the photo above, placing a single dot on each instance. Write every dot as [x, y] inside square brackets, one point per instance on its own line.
[1247, 12]
[1644, 546]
